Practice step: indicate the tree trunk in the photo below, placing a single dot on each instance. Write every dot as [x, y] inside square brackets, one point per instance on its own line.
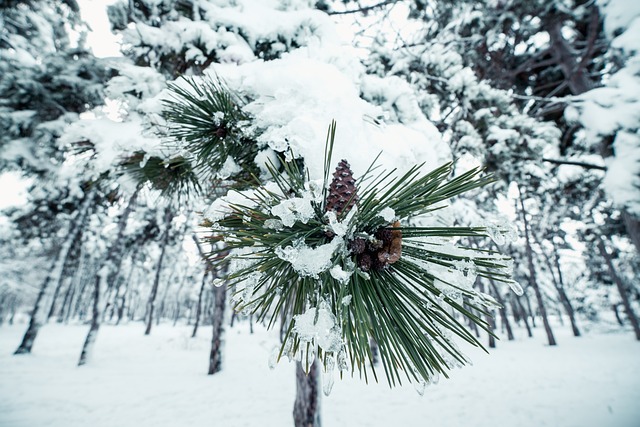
[306, 409]
[532, 277]
[168, 216]
[558, 283]
[529, 313]
[621, 289]
[503, 310]
[199, 303]
[55, 273]
[123, 297]
[632, 224]
[177, 312]
[67, 301]
[525, 317]
[95, 323]
[217, 320]
[563, 296]
[489, 318]
[215, 357]
[617, 314]
[107, 273]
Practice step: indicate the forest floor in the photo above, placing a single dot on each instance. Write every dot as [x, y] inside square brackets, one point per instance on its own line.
[160, 380]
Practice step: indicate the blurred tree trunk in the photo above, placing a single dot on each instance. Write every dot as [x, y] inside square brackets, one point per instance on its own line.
[55, 273]
[523, 314]
[306, 409]
[532, 276]
[621, 288]
[488, 317]
[502, 310]
[168, 217]
[215, 356]
[200, 294]
[563, 295]
[107, 272]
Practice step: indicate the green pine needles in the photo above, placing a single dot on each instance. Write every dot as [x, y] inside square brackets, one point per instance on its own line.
[345, 263]
[206, 120]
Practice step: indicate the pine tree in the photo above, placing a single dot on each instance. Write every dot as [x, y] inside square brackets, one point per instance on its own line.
[45, 83]
[371, 280]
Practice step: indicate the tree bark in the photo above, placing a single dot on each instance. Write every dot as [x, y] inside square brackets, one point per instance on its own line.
[106, 273]
[168, 216]
[55, 273]
[621, 289]
[219, 308]
[215, 356]
[306, 409]
[532, 276]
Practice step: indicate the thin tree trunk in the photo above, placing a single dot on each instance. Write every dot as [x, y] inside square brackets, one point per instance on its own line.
[632, 224]
[168, 216]
[503, 310]
[489, 318]
[215, 357]
[532, 277]
[217, 320]
[617, 314]
[563, 295]
[529, 310]
[306, 409]
[123, 297]
[95, 323]
[3, 304]
[34, 324]
[525, 318]
[71, 291]
[621, 289]
[177, 313]
[55, 273]
[106, 273]
[558, 283]
[199, 303]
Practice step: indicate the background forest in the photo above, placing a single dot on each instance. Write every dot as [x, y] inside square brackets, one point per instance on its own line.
[108, 260]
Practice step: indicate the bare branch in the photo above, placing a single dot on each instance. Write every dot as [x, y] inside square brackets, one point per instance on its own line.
[364, 9]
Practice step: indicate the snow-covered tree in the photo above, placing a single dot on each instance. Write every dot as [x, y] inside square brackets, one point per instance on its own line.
[46, 81]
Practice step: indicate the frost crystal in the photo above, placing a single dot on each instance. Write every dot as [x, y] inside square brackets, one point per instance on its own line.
[339, 274]
[228, 169]
[340, 228]
[318, 325]
[346, 300]
[294, 209]
[502, 232]
[309, 261]
[387, 214]
[515, 287]
[328, 378]
[276, 224]
[217, 117]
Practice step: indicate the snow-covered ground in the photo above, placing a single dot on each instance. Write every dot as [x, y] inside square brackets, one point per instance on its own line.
[160, 380]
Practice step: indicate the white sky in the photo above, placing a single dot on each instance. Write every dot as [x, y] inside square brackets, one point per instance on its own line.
[101, 40]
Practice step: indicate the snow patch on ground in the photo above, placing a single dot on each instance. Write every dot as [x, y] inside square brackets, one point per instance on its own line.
[160, 381]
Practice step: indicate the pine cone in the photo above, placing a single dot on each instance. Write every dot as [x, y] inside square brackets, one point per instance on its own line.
[343, 193]
[358, 246]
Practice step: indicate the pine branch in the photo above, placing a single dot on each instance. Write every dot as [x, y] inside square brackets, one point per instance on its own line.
[362, 272]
